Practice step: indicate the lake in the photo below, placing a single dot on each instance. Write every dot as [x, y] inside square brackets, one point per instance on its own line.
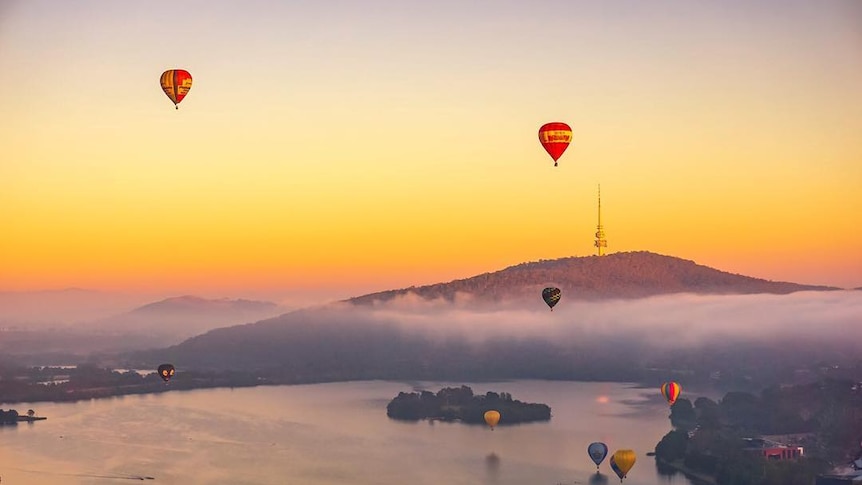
[334, 433]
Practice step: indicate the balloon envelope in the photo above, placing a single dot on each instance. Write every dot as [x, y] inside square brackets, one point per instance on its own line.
[616, 469]
[551, 296]
[176, 83]
[166, 371]
[622, 461]
[555, 138]
[492, 418]
[598, 452]
[670, 391]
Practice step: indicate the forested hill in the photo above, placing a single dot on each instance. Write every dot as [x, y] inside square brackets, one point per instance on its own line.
[343, 342]
[619, 275]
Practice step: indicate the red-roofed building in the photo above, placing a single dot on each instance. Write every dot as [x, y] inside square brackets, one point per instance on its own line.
[772, 450]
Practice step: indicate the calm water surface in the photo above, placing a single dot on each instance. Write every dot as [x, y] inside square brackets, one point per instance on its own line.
[331, 434]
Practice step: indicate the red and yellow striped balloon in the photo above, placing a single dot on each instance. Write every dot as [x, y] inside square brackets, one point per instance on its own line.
[176, 83]
[670, 391]
[555, 137]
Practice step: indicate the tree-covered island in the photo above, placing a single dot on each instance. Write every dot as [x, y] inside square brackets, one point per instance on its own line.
[460, 404]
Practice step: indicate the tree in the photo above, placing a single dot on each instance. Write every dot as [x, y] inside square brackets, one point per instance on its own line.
[708, 413]
[741, 409]
[672, 447]
[682, 414]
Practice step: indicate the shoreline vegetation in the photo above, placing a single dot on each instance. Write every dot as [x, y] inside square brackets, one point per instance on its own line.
[13, 417]
[85, 382]
[806, 430]
[460, 404]
[69, 383]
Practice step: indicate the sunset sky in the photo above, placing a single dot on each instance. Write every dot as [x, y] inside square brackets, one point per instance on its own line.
[350, 146]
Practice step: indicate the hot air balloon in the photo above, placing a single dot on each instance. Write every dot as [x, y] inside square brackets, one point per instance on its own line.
[616, 469]
[622, 461]
[551, 296]
[492, 418]
[166, 371]
[176, 83]
[555, 137]
[670, 391]
[598, 452]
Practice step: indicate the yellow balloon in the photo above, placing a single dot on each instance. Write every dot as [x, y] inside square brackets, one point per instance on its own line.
[492, 418]
[623, 461]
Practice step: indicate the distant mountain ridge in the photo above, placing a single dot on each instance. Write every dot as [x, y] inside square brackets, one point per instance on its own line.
[175, 319]
[196, 305]
[619, 275]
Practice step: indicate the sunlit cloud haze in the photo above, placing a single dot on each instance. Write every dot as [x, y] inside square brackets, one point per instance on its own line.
[664, 322]
[759, 335]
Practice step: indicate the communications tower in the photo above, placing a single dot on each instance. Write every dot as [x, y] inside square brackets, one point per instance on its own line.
[601, 242]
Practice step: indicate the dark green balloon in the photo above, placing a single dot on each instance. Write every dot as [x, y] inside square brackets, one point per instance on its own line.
[551, 296]
[166, 371]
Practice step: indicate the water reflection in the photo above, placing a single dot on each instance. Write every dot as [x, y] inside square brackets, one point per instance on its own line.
[598, 479]
[492, 467]
[665, 470]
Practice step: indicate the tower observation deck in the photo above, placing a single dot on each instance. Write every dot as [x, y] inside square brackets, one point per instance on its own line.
[601, 242]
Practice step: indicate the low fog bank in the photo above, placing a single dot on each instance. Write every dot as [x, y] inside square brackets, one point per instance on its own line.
[740, 338]
[663, 322]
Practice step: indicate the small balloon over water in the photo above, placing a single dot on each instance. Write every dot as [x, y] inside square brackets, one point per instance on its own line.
[670, 390]
[597, 451]
[166, 371]
[622, 462]
[492, 418]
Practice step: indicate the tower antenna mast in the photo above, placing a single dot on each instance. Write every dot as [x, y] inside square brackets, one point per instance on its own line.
[601, 242]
